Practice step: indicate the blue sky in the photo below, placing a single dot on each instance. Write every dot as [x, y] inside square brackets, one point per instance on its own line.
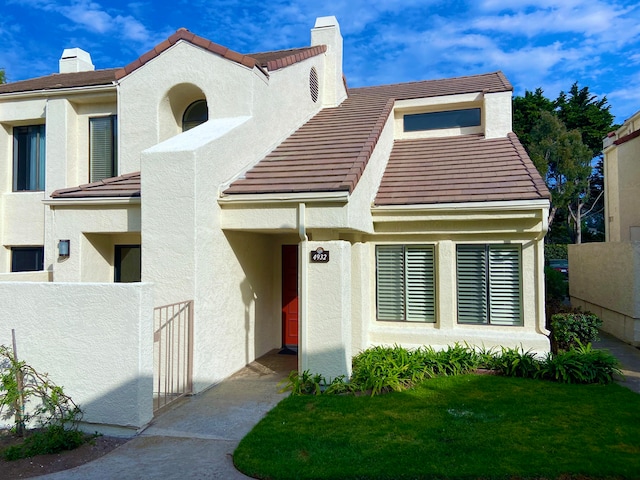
[536, 43]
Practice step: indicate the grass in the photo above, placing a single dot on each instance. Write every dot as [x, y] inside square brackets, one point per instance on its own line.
[459, 427]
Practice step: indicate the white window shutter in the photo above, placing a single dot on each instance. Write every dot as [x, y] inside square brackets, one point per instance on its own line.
[390, 282]
[472, 284]
[420, 281]
[504, 284]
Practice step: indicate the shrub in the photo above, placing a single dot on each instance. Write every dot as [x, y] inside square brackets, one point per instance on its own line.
[556, 286]
[573, 329]
[582, 364]
[53, 439]
[555, 250]
[515, 362]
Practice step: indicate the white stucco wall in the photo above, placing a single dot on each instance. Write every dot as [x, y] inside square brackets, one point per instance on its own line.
[605, 278]
[94, 340]
[93, 231]
[326, 331]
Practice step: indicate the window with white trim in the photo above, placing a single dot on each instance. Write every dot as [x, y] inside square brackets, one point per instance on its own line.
[405, 283]
[103, 148]
[28, 158]
[489, 284]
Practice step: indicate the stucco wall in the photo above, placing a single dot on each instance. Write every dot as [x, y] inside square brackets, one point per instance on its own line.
[605, 278]
[93, 231]
[326, 331]
[95, 340]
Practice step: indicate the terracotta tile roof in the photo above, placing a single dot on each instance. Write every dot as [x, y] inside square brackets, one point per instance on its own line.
[330, 152]
[283, 58]
[62, 80]
[265, 60]
[466, 168]
[127, 185]
[184, 34]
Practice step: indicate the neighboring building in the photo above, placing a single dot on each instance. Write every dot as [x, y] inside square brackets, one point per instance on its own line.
[294, 211]
[605, 277]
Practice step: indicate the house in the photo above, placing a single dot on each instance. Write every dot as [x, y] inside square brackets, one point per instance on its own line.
[282, 208]
[605, 277]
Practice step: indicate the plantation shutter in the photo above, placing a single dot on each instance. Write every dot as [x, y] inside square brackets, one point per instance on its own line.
[504, 285]
[390, 282]
[472, 284]
[103, 148]
[420, 284]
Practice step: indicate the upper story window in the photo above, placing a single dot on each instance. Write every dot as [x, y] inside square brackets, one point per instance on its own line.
[28, 158]
[469, 117]
[103, 148]
[195, 114]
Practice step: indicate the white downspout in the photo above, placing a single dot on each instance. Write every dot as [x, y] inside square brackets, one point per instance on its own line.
[541, 300]
[302, 289]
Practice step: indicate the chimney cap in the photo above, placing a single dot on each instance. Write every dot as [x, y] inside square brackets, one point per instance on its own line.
[75, 60]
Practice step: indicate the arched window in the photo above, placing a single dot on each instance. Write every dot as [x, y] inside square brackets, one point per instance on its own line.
[195, 114]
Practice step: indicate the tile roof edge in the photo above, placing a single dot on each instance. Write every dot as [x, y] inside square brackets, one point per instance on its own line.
[498, 73]
[106, 181]
[296, 57]
[368, 147]
[627, 137]
[533, 173]
[187, 36]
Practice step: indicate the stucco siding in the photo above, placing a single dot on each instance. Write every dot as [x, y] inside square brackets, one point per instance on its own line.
[95, 340]
[606, 276]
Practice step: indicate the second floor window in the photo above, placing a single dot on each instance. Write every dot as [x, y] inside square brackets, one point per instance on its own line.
[195, 114]
[103, 151]
[28, 158]
[469, 117]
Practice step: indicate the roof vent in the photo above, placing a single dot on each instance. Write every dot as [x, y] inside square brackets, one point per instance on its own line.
[75, 60]
[313, 84]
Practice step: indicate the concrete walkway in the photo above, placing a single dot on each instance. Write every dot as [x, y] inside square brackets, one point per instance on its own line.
[628, 356]
[196, 439]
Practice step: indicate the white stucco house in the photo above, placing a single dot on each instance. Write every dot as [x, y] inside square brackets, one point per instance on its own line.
[289, 209]
[605, 277]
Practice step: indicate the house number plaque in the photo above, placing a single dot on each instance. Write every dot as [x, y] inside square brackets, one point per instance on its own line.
[319, 255]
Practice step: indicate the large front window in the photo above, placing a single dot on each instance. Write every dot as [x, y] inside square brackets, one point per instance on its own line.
[489, 285]
[103, 154]
[405, 283]
[28, 158]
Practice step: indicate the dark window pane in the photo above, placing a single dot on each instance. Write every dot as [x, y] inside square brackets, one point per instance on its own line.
[28, 158]
[103, 148]
[195, 114]
[27, 259]
[436, 120]
[127, 263]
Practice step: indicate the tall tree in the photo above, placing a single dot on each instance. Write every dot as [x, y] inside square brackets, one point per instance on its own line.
[564, 162]
[582, 110]
[527, 111]
[3, 78]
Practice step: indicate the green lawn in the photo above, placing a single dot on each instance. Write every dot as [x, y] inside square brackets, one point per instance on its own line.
[459, 427]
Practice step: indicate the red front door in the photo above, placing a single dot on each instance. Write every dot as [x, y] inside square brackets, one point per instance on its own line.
[289, 295]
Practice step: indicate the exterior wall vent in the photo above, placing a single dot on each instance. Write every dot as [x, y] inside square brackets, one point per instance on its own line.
[313, 84]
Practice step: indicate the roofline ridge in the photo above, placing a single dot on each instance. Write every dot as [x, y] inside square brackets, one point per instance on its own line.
[182, 34]
[498, 73]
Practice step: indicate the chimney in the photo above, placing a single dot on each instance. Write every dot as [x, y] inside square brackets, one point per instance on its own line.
[75, 60]
[326, 31]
